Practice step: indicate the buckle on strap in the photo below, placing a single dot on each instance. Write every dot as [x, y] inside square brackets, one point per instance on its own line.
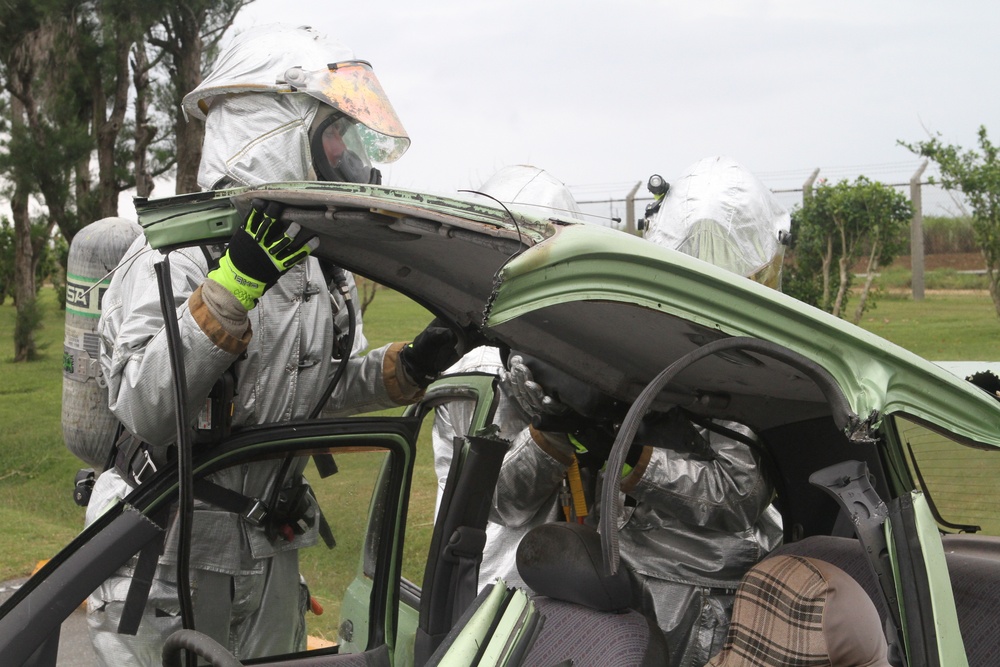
[253, 510]
[257, 512]
[144, 462]
[135, 460]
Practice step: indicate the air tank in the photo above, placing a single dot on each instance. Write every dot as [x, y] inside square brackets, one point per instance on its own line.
[88, 425]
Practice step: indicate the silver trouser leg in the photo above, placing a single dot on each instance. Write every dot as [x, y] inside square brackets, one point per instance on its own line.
[253, 615]
[212, 599]
[160, 619]
[211, 594]
[268, 609]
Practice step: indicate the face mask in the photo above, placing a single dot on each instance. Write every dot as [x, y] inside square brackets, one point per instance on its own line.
[333, 158]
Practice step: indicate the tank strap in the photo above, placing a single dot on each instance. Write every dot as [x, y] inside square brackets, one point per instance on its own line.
[136, 460]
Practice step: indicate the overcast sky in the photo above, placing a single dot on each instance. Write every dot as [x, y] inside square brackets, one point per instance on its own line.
[603, 94]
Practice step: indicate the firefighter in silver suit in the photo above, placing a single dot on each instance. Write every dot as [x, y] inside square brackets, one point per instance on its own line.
[537, 192]
[698, 512]
[281, 104]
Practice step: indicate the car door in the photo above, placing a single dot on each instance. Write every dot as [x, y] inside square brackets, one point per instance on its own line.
[435, 614]
[954, 515]
[374, 459]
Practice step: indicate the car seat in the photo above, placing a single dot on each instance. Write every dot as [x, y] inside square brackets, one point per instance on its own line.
[793, 610]
[972, 567]
[586, 615]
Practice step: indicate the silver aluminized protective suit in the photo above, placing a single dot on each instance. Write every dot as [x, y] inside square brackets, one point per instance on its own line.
[246, 588]
[532, 190]
[288, 363]
[528, 486]
[701, 517]
[248, 144]
[719, 212]
[697, 513]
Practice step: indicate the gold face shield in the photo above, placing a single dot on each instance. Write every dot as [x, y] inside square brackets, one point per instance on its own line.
[352, 88]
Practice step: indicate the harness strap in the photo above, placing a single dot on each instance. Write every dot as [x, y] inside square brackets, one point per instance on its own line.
[325, 531]
[135, 460]
[142, 581]
[253, 510]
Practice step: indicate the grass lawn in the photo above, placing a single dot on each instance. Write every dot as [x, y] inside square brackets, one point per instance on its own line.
[36, 469]
[945, 326]
[37, 513]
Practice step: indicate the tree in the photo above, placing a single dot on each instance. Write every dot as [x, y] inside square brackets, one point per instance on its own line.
[37, 152]
[66, 71]
[6, 260]
[188, 34]
[841, 225]
[977, 176]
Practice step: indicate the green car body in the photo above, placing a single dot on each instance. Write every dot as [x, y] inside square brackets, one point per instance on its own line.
[615, 311]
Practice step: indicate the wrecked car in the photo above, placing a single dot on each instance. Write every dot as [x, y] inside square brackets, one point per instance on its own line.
[885, 464]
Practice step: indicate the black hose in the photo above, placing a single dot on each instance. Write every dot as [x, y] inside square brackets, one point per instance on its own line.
[340, 278]
[200, 644]
[842, 414]
[185, 504]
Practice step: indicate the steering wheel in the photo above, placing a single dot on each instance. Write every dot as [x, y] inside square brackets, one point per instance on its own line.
[199, 643]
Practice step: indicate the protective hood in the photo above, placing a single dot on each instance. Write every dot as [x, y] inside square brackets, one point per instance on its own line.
[533, 191]
[720, 213]
[283, 62]
[257, 139]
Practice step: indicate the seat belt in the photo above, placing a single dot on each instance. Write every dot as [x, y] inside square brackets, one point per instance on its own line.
[849, 484]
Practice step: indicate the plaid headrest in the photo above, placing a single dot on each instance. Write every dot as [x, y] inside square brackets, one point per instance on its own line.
[791, 610]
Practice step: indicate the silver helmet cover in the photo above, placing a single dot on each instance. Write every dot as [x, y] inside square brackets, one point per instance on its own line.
[721, 213]
[279, 60]
[257, 60]
[533, 191]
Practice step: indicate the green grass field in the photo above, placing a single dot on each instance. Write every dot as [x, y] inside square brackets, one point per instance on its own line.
[945, 326]
[37, 513]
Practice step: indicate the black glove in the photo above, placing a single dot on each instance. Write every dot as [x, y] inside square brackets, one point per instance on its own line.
[593, 442]
[432, 351]
[260, 251]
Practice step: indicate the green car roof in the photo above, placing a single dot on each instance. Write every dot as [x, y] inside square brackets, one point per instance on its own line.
[609, 308]
[682, 303]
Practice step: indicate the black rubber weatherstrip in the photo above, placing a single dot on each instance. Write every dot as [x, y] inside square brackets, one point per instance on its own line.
[185, 476]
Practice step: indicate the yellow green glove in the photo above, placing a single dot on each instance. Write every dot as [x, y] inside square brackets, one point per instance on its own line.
[260, 251]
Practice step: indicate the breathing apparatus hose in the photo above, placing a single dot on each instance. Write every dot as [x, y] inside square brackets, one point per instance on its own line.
[340, 279]
[185, 503]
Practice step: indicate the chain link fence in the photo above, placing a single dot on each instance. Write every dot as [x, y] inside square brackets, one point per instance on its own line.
[609, 204]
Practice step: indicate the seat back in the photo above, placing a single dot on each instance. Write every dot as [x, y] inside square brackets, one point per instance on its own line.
[563, 561]
[791, 610]
[586, 616]
[845, 553]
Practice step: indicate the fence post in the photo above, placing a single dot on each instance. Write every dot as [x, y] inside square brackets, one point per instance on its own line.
[807, 187]
[917, 235]
[630, 208]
